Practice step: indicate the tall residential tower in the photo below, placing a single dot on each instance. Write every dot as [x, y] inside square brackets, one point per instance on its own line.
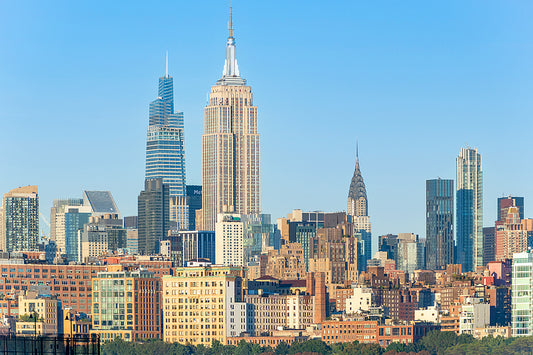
[19, 230]
[440, 245]
[469, 209]
[165, 145]
[230, 146]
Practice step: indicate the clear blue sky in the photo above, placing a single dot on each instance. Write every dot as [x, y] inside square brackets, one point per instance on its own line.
[412, 81]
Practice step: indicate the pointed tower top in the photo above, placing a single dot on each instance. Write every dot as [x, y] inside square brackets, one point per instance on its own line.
[357, 189]
[166, 66]
[231, 75]
[357, 150]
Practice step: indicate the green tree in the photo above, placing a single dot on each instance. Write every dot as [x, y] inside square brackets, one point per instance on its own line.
[436, 341]
[117, 347]
[311, 346]
[282, 349]
[245, 348]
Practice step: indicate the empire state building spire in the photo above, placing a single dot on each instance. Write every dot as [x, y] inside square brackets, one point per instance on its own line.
[230, 74]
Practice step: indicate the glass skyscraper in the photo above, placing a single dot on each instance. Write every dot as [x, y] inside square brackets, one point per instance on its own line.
[153, 216]
[439, 224]
[469, 209]
[74, 222]
[165, 150]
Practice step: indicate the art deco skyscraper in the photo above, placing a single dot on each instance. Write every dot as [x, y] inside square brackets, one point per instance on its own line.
[358, 209]
[440, 245]
[230, 146]
[165, 144]
[469, 209]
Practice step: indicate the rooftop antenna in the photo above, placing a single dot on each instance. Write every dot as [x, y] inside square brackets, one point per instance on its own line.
[166, 66]
[230, 20]
[357, 149]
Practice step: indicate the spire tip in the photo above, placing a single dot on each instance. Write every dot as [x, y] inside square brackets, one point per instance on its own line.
[230, 20]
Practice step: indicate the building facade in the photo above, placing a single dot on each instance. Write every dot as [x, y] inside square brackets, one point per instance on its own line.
[75, 218]
[229, 240]
[203, 303]
[230, 146]
[522, 295]
[410, 255]
[126, 304]
[194, 203]
[469, 209]
[102, 235]
[153, 217]
[511, 235]
[71, 284]
[440, 245]
[19, 229]
[44, 307]
[510, 201]
[57, 209]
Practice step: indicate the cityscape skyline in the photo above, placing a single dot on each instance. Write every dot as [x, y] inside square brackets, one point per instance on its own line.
[226, 263]
[279, 194]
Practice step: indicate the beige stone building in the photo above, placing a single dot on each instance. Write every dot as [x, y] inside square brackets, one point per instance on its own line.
[335, 254]
[46, 310]
[286, 264]
[301, 310]
[230, 146]
[202, 303]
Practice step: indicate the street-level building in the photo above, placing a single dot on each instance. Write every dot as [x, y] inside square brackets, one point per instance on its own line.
[202, 303]
[126, 304]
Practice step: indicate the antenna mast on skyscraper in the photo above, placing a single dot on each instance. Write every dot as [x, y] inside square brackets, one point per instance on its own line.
[230, 20]
[166, 66]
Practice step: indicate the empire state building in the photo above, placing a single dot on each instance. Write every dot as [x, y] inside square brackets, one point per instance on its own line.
[230, 145]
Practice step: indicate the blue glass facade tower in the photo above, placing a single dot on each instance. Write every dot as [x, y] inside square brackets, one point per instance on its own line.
[440, 245]
[469, 209]
[165, 149]
[74, 222]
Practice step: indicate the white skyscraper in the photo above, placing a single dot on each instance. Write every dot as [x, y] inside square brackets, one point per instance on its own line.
[469, 209]
[229, 240]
